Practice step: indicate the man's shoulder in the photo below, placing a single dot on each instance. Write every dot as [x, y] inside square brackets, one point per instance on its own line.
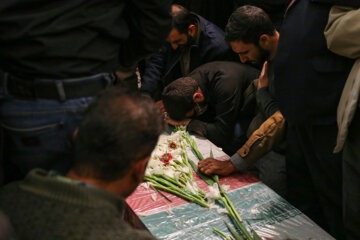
[118, 230]
[130, 234]
[211, 32]
[35, 214]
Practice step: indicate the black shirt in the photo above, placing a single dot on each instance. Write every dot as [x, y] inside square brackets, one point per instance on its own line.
[73, 38]
[222, 84]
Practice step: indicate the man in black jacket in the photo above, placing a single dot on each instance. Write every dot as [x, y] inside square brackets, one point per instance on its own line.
[308, 82]
[54, 57]
[192, 42]
[208, 101]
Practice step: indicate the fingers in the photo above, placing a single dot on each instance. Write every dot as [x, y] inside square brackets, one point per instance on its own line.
[211, 166]
[264, 70]
[263, 79]
[208, 170]
[205, 166]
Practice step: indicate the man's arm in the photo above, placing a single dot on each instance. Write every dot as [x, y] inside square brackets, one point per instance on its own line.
[263, 140]
[149, 24]
[154, 71]
[266, 103]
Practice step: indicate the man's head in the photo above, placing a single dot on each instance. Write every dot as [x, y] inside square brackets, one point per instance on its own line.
[116, 137]
[183, 98]
[184, 28]
[251, 34]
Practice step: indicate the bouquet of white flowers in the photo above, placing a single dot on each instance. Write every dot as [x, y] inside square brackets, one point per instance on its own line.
[170, 169]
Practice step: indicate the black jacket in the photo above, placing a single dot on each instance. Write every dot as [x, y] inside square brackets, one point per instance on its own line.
[308, 77]
[164, 67]
[222, 84]
[74, 38]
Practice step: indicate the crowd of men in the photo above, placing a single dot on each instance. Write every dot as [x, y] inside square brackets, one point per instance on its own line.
[276, 88]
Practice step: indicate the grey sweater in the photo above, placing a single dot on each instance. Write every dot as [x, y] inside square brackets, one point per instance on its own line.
[42, 207]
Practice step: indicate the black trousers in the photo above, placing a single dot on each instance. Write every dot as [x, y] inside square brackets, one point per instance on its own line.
[314, 175]
[351, 180]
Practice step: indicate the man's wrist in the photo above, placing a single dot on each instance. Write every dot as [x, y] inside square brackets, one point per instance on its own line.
[239, 163]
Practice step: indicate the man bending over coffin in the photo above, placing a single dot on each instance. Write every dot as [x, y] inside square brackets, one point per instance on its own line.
[208, 101]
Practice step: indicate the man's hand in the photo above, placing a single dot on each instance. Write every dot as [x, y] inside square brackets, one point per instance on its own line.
[263, 79]
[174, 123]
[211, 166]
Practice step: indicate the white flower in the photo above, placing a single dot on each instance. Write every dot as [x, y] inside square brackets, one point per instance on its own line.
[254, 211]
[153, 196]
[145, 185]
[184, 169]
[169, 211]
[226, 187]
[212, 204]
[191, 187]
[170, 172]
[222, 210]
[214, 192]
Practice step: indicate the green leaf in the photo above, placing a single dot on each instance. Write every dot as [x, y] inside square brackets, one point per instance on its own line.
[221, 233]
[255, 235]
[207, 179]
[233, 232]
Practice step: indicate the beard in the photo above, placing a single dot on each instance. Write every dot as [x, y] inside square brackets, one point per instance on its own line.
[190, 41]
[263, 56]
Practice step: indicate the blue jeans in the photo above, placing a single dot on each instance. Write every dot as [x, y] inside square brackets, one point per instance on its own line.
[38, 134]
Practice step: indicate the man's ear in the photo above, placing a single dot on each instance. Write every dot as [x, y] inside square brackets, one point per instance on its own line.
[198, 96]
[192, 30]
[264, 41]
[140, 167]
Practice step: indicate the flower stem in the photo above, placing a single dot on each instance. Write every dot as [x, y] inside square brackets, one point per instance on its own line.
[187, 161]
[221, 233]
[183, 195]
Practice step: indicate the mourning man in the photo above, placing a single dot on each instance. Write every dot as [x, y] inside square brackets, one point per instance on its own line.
[208, 101]
[254, 38]
[192, 42]
[112, 148]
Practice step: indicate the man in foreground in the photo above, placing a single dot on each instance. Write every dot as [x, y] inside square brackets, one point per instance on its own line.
[112, 148]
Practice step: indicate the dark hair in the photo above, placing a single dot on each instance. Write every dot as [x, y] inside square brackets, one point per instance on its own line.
[181, 18]
[118, 128]
[247, 24]
[178, 97]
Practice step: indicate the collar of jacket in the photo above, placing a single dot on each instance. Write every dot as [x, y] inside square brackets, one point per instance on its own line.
[200, 29]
